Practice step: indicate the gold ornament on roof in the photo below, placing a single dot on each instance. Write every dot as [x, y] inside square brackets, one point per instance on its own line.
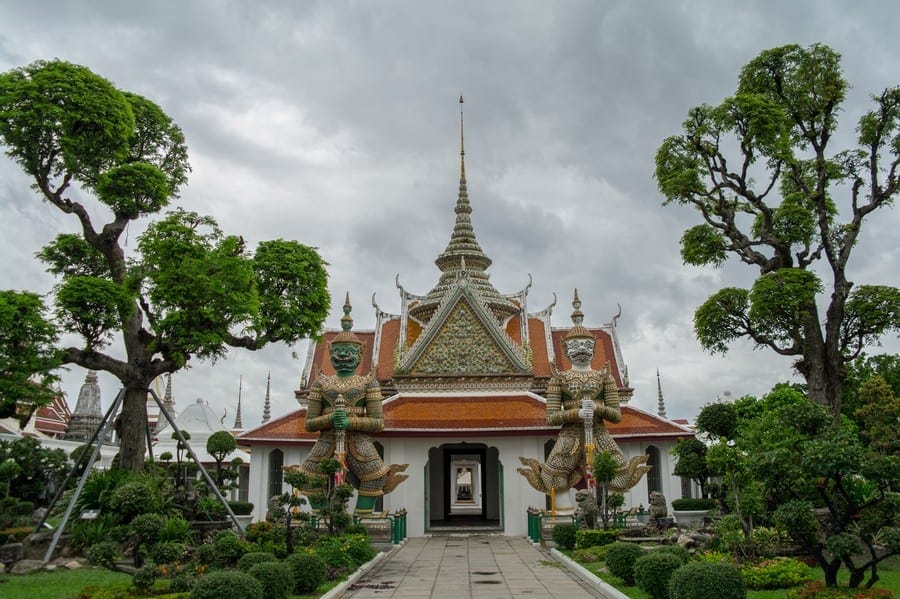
[578, 331]
[346, 335]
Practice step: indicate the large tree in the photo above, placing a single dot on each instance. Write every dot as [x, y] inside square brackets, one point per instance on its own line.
[761, 171]
[189, 290]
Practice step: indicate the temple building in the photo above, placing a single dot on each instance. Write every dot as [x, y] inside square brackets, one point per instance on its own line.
[464, 369]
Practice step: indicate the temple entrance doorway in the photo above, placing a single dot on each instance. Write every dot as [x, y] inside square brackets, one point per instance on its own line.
[463, 487]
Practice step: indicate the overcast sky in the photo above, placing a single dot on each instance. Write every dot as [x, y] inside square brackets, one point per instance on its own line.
[336, 124]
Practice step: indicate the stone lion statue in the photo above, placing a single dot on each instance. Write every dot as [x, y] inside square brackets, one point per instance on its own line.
[587, 513]
[658, 506]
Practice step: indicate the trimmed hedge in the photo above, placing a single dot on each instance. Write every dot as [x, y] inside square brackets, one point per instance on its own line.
[620, 559]
[693, 504]
[227, 583]
[564, 536]
[309, 570]
[653, 571]
[248, 560]
[585, 538]
[276, 578]
[704, 580]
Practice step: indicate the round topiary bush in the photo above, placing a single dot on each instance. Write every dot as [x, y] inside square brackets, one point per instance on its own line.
[148, 527]
[564, 536]
[276, 578]
[144, 577]
[168, 552]
[653, 571]
[248, 560]
[227, 583]
[701, 580]
[309, 570]
[229, 547]
[677, 550]
[620, 558]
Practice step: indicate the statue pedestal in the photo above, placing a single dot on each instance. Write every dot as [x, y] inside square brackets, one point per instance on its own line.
[564, 504]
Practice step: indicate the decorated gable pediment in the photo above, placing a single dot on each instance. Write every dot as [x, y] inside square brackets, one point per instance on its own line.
[463, 339]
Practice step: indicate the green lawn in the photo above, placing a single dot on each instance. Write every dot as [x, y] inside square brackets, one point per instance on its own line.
[888, 572]
[69, 584]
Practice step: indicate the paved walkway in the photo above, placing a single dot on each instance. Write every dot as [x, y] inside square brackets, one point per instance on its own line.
[470, 567]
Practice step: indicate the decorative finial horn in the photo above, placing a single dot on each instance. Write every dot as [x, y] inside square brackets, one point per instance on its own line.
[462, 144]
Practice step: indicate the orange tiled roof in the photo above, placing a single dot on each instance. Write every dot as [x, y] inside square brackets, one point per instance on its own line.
[501, 414]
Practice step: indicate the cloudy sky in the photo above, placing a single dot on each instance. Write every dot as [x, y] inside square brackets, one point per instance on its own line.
[336, 124]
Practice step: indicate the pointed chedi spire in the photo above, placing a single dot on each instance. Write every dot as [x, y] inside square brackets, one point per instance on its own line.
[238, 424]
[463, 255]
[660, 402]
[87, 415]
[267, 406]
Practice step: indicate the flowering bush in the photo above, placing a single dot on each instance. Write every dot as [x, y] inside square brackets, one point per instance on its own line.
[777, 573]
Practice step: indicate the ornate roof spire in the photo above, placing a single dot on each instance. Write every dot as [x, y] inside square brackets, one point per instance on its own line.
[267, 406]
[237, 417]
[87, 415]
[578, 330]
[660, 402]
[346, 335]
[463, 253]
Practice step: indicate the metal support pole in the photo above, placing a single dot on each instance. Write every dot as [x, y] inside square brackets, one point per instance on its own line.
[87, 471]
[209, 480]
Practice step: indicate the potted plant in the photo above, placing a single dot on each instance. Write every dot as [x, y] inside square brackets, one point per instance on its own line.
[690, 511]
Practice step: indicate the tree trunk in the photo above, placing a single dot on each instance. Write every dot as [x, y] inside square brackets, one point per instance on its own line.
[131, 426]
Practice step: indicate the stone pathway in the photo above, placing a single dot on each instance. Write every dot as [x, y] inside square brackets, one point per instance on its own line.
[470, 567]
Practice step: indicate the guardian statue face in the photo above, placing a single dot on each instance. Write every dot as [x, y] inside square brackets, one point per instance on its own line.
[580, 351]
[345, 357]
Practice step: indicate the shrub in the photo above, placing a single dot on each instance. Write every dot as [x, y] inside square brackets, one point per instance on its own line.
[85, 533]
[564, 536]
[144, 577]
[701, 580]
[333, 550]
[309, 571]
[168, 552]
[205, 554]
[227, 583]
[594, 538]
[241, 508]
[620, 559]
[359, 548]
[688, 504]
[182, 582]
[175, 529]
[210, 508]
[777, 573]
[248, 560]
[767, 540]
[139, 496]
[276, 578]
[356, 529]
[677, 550]
[104, 553]
[653, 571]
[229, 547]
[148, 527]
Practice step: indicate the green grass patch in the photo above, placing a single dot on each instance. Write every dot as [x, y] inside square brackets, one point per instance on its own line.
[61, 583]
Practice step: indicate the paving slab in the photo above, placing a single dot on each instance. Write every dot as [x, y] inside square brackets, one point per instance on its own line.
[471, 567]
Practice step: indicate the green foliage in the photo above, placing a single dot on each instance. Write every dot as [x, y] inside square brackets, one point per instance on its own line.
[85, 533]
[693, 504]
[241, 508]
[139, 496]
[98, 489]
[27, 352]
[145, 577]
[148, 527]
[229, 547]
[653, 571]
[210, 508]
[168, 552]
[585, 538]
[227, 583]
[205, 554]
[759, 171]
[188, 291]
[878, 414]
[310, 571]
[776, 573]
[677, 550]
[176, 529]
[590, 555]
[39, 470]
[705, 580]
[220, 444]
[620, 559]
[267, 537]
[344, 553]
[277, 579]
[817, 590]
[104, 553]
[563, 535]
[691, 455]
[248, 560]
